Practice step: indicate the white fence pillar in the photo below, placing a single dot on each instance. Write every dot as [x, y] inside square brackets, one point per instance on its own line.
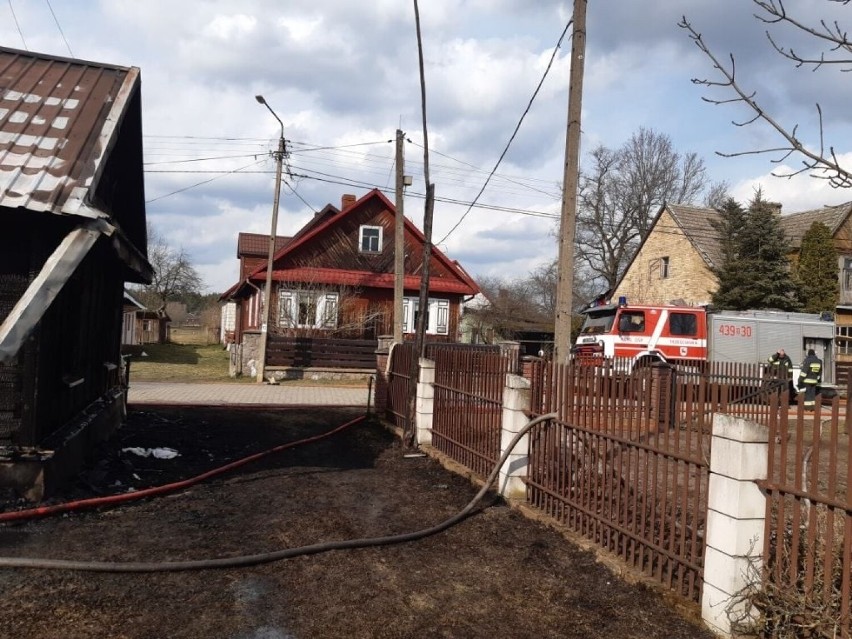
[735, 516]
[516, 400]
[424, 406]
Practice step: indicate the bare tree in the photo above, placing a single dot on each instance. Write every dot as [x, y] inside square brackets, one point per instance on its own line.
[174, 274]
[717, 195]
[818, 160]
[621, 191]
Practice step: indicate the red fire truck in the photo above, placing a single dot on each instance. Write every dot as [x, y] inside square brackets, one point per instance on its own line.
[643, 334]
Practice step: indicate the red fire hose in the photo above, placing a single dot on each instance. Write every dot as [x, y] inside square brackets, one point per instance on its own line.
[111, 500]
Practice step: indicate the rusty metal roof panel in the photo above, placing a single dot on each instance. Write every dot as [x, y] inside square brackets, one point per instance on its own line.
[58, 119]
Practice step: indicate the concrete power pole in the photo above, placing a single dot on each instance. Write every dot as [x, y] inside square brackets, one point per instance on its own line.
[571, 183]
[399, 243]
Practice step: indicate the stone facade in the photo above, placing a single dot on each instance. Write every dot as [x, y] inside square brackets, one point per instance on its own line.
[666, 268]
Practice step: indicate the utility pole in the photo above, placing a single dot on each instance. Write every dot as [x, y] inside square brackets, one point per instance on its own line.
[399, 243]
[267, 295]
[570, 186]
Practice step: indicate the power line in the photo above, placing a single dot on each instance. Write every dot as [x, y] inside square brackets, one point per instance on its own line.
[514, 133]
[203, 182]
[221, 157]
[59, 26]
[15, 18]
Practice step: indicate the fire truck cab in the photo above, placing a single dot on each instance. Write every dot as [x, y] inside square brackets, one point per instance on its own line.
[643, 333]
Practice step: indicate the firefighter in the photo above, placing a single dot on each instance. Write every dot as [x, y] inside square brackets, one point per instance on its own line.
[810, 376]
[785, 369]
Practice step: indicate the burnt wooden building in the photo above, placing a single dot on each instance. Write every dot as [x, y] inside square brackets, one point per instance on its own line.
[335, 278]
[72, 202]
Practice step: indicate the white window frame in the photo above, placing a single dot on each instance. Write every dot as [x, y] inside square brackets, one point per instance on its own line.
[438, 321]
[665, 267]
[846, 274]
[361, 238]
[325, 314]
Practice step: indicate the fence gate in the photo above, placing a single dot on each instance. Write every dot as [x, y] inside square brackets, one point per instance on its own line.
[399, 385]
[468, 404]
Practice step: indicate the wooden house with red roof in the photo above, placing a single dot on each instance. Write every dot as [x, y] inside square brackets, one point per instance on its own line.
[335, 279]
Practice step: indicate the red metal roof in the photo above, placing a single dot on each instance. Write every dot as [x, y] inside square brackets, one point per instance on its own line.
[58, 120]
[367, 279]
[257, 244]
[465, 281]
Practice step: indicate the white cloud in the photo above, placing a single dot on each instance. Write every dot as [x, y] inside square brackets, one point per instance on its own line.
[340, 73]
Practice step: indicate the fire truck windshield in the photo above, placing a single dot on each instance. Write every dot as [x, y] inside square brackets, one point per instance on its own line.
[600, 322]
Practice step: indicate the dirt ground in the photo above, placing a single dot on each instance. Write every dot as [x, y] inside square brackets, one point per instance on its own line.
[496, 575]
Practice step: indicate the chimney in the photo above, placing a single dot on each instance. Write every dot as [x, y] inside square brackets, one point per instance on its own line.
[346, 201]
[776, 207]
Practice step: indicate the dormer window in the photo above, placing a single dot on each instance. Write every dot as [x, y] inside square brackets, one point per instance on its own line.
[370, 239]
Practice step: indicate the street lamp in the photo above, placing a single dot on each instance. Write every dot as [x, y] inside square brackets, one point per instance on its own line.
[267, 302]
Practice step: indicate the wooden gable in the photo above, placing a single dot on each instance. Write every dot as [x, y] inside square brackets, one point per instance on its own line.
[334, 246]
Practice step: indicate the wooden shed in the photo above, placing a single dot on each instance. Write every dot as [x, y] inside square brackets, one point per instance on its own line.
[72, 199]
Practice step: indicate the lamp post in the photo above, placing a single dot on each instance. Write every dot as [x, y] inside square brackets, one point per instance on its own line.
[267, 301]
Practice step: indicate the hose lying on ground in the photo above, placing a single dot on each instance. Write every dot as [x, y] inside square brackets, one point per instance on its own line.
[267, 557]
[111, 500]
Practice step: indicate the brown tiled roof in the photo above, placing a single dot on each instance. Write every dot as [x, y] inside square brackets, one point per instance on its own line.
[796, 225]
[58, 119]
[697, 224]
[257, 244]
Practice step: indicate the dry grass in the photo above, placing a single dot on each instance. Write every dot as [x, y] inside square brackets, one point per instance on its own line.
[203, 363]
[181, 363]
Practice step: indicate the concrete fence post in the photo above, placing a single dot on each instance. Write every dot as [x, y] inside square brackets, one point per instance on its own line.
[735, 516]
[425, 404]
[516, 400]
[383, 354]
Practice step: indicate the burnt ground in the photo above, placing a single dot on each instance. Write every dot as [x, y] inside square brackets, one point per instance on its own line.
[497, 574]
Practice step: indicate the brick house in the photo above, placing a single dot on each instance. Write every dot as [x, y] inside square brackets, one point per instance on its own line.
[675, 260]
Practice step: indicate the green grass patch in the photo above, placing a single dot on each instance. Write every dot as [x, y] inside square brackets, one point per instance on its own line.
[181, 363]
[202, 363]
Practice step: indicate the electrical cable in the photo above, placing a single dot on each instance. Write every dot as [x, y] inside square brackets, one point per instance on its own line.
[155, 491]
[59, 26]
[18, 25]
[287, 553]
[514, 133]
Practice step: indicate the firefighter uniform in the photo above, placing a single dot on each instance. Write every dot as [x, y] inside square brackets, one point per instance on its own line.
[810, 376]
[784, 365]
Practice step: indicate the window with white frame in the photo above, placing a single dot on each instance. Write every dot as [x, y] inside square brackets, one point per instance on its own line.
[664, 267]
[307, 309]
[846, 276]
[437, 315]
[370, 239]
[844, 340]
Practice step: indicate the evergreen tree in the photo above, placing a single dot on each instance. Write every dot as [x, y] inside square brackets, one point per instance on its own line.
[732, 219]
[817, 270]
[755, 273]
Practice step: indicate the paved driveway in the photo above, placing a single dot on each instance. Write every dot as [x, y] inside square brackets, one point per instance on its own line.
[224, 394]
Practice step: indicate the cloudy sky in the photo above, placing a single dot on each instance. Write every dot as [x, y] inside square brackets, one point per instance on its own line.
[343, 76]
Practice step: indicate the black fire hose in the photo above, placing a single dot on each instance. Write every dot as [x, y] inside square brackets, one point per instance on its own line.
[244, 561]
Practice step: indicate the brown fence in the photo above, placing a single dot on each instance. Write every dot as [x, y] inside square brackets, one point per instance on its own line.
[808, 537]
[626, 464]
[399, 384]
[468, 404]
[303, 352]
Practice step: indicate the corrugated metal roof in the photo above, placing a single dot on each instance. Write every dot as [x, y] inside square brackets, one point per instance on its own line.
[57, 120]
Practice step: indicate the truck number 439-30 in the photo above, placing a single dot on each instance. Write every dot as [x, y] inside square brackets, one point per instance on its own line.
[733, 330]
